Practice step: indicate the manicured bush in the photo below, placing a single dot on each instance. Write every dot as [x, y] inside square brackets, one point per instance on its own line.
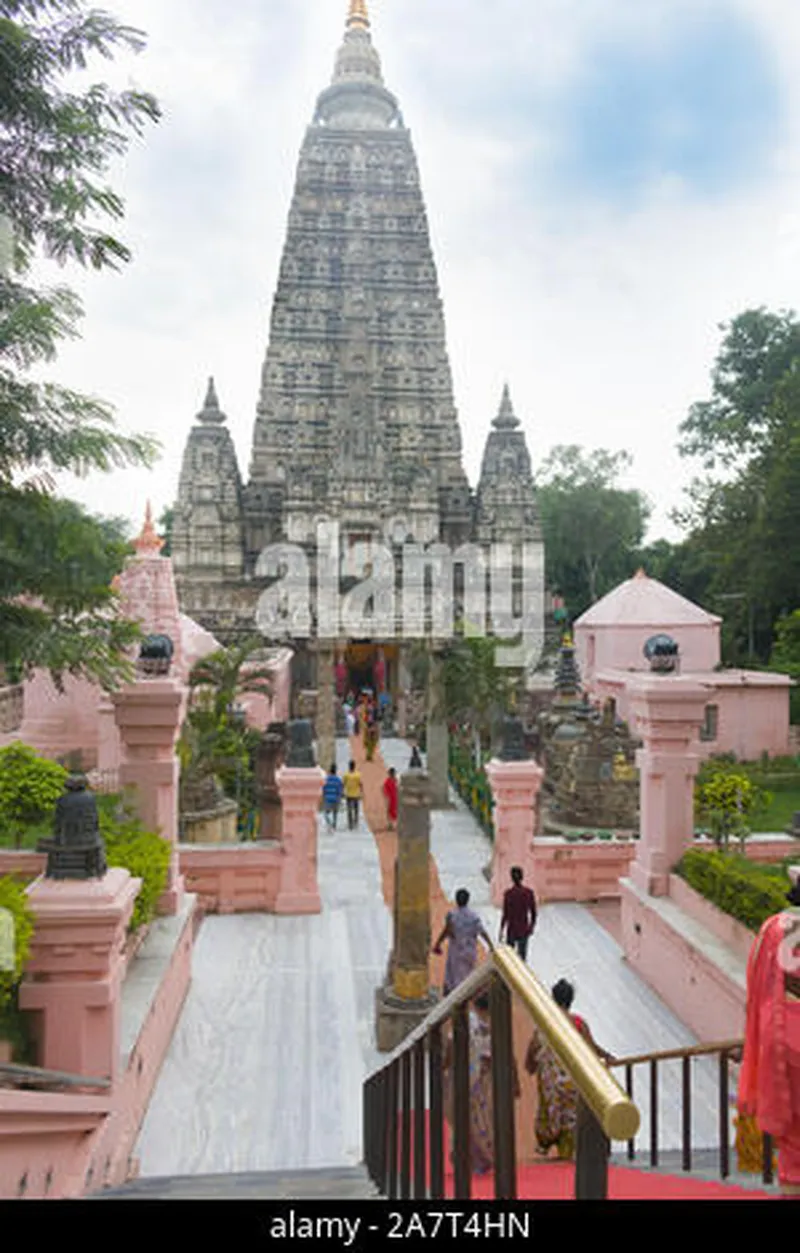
[13, 898]
[144, 853]
[30, 785]
[748, 891]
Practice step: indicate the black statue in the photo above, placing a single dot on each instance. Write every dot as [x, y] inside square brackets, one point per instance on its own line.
[416, 760]
[301, 744]
[76, 850]
[662, 653]
[155, 654]
[513, 740]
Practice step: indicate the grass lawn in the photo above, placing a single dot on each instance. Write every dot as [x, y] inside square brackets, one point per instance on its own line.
[779, 815]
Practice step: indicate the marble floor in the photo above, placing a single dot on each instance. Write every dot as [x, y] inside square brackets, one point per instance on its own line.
[276, 1037]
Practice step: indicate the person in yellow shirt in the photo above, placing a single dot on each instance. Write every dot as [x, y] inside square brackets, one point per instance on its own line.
[352, 793]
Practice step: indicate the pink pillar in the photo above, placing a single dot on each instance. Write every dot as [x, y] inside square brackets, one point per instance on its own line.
[514, 785]
[300, 789]
[75, 971]
[149, 714]
[666, 712]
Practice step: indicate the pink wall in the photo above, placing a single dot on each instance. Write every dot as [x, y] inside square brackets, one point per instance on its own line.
[753, 712]
[619, 646]
[233, 879]
[708, 997]
[564, 871]
[85, 1142]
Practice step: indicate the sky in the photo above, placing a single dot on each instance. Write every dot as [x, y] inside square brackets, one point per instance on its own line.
[606, 181]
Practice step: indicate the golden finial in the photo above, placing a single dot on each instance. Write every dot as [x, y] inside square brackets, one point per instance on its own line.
[358, 17]
[148, 541]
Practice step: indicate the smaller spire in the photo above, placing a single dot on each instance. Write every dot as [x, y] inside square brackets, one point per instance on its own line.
[358, 17]
[148, 542]
[506, 419]
[211, 411]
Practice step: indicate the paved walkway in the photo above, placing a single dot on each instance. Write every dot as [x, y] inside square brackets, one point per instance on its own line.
[266, 1066]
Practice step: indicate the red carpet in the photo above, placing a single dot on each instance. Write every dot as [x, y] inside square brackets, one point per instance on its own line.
[555, 1181]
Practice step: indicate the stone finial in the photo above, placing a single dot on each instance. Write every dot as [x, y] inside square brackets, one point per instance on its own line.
[301, 744]
[506, 419]
[513, 748]
[148, 543]
[358, 15]
[211, 412]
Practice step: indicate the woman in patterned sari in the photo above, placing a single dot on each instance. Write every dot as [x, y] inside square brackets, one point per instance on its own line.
[481, 1106]
[557, 1112]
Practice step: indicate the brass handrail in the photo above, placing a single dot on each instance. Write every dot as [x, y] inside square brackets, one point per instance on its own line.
[694, 1050]
[615, 1111]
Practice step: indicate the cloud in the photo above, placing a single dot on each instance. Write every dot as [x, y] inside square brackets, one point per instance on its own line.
[605, 180]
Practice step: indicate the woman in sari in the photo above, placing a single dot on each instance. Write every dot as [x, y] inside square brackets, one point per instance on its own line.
[481, 1105]
[557, 1112]
[769, 1083]
[462, 929]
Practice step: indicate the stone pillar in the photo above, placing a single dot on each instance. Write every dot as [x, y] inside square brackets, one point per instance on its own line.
[406, 998]
[300, 790]
[666, 712]
[268, 758]
[515, 787]
[437, 736]
[74, 975]
[326, 708]
[149, 716]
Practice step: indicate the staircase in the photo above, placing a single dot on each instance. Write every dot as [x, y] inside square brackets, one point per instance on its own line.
[332, 1184]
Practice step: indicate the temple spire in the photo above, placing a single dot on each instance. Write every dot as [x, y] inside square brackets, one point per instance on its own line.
[358, 16]
[149, 541]
[211, 411]
[506, 419]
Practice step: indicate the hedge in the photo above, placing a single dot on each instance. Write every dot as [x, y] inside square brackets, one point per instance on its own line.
[472, 785]
[747, 891]
[144, 853]
[13, 898]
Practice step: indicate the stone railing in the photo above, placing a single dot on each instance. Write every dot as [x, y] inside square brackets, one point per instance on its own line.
[12, 704]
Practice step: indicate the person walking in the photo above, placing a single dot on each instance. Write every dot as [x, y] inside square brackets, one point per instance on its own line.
[481, 1093]
[557, 1108]
[352, 794]
[519, 914]
[332, 790]
[391, 796]
[462, 930]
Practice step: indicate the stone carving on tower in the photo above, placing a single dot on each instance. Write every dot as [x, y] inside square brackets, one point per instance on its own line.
[356, 419]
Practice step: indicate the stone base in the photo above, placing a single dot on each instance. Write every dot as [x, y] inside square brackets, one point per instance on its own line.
[396, 1019]
[298, 903]
[171, 901]
[212, 826]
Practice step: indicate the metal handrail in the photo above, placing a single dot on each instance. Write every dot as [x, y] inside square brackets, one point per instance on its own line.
[35, 1076]
[694, 1050]
[615, 1111]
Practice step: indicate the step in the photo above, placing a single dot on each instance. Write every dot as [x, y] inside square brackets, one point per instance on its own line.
[346, 1183]
[705, 1166]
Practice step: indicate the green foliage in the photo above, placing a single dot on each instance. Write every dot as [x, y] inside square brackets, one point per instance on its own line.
[742, 514]
[55, 146]
[471, 783]
[477, 690]
[785, 656]
[592, 527]
[143, 853]
[749, 892]
[30, 785]
[726, 800]
[216, 740]
[13, 898]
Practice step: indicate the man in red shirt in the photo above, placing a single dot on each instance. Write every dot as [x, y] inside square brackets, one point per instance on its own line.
[391, 796]
[519, 914]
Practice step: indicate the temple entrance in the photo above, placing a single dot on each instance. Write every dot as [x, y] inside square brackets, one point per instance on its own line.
[363, 664]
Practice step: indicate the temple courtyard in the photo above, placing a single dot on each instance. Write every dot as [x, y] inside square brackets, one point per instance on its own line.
[276, 1037]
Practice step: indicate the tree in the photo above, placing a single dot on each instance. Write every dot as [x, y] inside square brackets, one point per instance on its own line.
[785, 656]
[55, 146]
[165, 523]
[592, 527]
[742, 516]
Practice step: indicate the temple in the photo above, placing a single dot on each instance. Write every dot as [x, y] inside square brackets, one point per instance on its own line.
[356, 421]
